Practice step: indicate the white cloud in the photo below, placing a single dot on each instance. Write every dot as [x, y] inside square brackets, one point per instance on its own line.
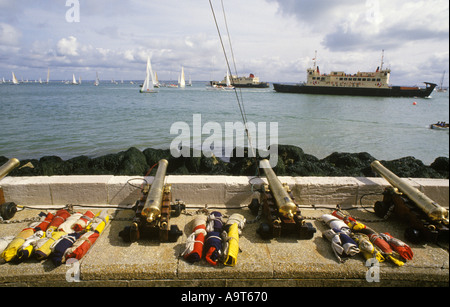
[67, 46]
[9, 36]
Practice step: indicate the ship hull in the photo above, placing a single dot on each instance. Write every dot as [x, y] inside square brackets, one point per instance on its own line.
[394, 91]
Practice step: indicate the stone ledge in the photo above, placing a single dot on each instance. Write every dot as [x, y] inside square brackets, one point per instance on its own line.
[225, 191]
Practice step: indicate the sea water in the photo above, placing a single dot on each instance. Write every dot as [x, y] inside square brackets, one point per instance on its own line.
[72, 120]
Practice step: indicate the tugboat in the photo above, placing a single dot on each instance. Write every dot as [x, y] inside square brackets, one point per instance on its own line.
[241, 82]
[359, 84]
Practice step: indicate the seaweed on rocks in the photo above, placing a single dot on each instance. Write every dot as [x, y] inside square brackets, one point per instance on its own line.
[292, 161]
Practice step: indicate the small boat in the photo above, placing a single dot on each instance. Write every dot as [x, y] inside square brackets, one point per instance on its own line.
[148, 86]
[14, 79]
[182, 80]
[97, 80]
[74, 81]
[440, 126]
[228, 86]
[440, 88]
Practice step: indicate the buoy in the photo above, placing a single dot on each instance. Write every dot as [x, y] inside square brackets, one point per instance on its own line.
[414, 103]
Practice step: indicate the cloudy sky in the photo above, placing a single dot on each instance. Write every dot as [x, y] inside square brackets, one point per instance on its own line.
[274, 39]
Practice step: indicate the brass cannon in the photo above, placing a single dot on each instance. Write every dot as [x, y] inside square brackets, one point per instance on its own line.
[153, 212]
[427, 219]
[277, 204]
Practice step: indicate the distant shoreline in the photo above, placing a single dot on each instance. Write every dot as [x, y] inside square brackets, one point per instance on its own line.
[292, 161]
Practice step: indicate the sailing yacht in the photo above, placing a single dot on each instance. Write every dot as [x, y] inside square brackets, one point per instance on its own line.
[14, 79]
[74, 81]
[228, 86]
[148, 86]
[48, 75]
[182, 79]
[97, 81]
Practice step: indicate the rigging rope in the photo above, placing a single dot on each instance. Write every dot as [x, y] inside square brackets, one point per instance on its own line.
[241, 100]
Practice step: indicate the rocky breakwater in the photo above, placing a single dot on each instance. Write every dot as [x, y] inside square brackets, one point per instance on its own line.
[292, 161]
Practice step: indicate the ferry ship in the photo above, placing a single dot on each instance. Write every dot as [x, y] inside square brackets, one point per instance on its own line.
[359, 84]
[241, 82]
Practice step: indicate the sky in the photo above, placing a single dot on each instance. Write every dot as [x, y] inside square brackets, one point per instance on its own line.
[274, 39]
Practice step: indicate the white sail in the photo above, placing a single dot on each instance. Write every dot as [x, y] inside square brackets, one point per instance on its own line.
[148, 86]
[14, 79]
[48, 75]
[182, 79]
[156, 81]
[228, 79]
[74, 81]
[97, 81]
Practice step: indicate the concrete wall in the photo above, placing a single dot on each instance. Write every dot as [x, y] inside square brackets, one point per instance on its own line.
[220, 191]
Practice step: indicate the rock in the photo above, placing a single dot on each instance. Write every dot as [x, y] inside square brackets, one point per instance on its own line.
[292, 161]
[410, 167]
[52, 166]
[441, 166]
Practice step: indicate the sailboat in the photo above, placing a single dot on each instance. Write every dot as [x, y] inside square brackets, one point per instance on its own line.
[182, 81]
[48, 75]
[229, 86]
[148, 86]
[14, 79]
[74, 81]
[97, 81]
[156, 81]
[441, 89]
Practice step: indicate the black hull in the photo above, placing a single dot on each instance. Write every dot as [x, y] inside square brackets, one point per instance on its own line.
[394, 91]
[259, 85]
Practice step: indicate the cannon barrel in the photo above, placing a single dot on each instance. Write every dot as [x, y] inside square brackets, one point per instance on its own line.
[286, 206]
[432, 209]
[8, 167]
[153, 203]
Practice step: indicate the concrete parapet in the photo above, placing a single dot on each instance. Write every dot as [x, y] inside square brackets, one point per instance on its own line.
[225, 191]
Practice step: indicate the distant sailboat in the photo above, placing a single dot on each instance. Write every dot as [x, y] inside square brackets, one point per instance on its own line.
[440, 88]
[148, 86]
[74, 81]
[156, 81]
[14, 79]
[182, 79]
[229, 86]
[48, 75]
[97, 81]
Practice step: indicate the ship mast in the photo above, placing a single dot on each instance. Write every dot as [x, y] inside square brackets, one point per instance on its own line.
[382, 59]
[315, 61]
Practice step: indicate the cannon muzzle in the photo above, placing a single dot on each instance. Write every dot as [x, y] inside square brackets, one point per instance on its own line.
[153, 204]
[432, 209]
[285, 204]
[8, 167]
